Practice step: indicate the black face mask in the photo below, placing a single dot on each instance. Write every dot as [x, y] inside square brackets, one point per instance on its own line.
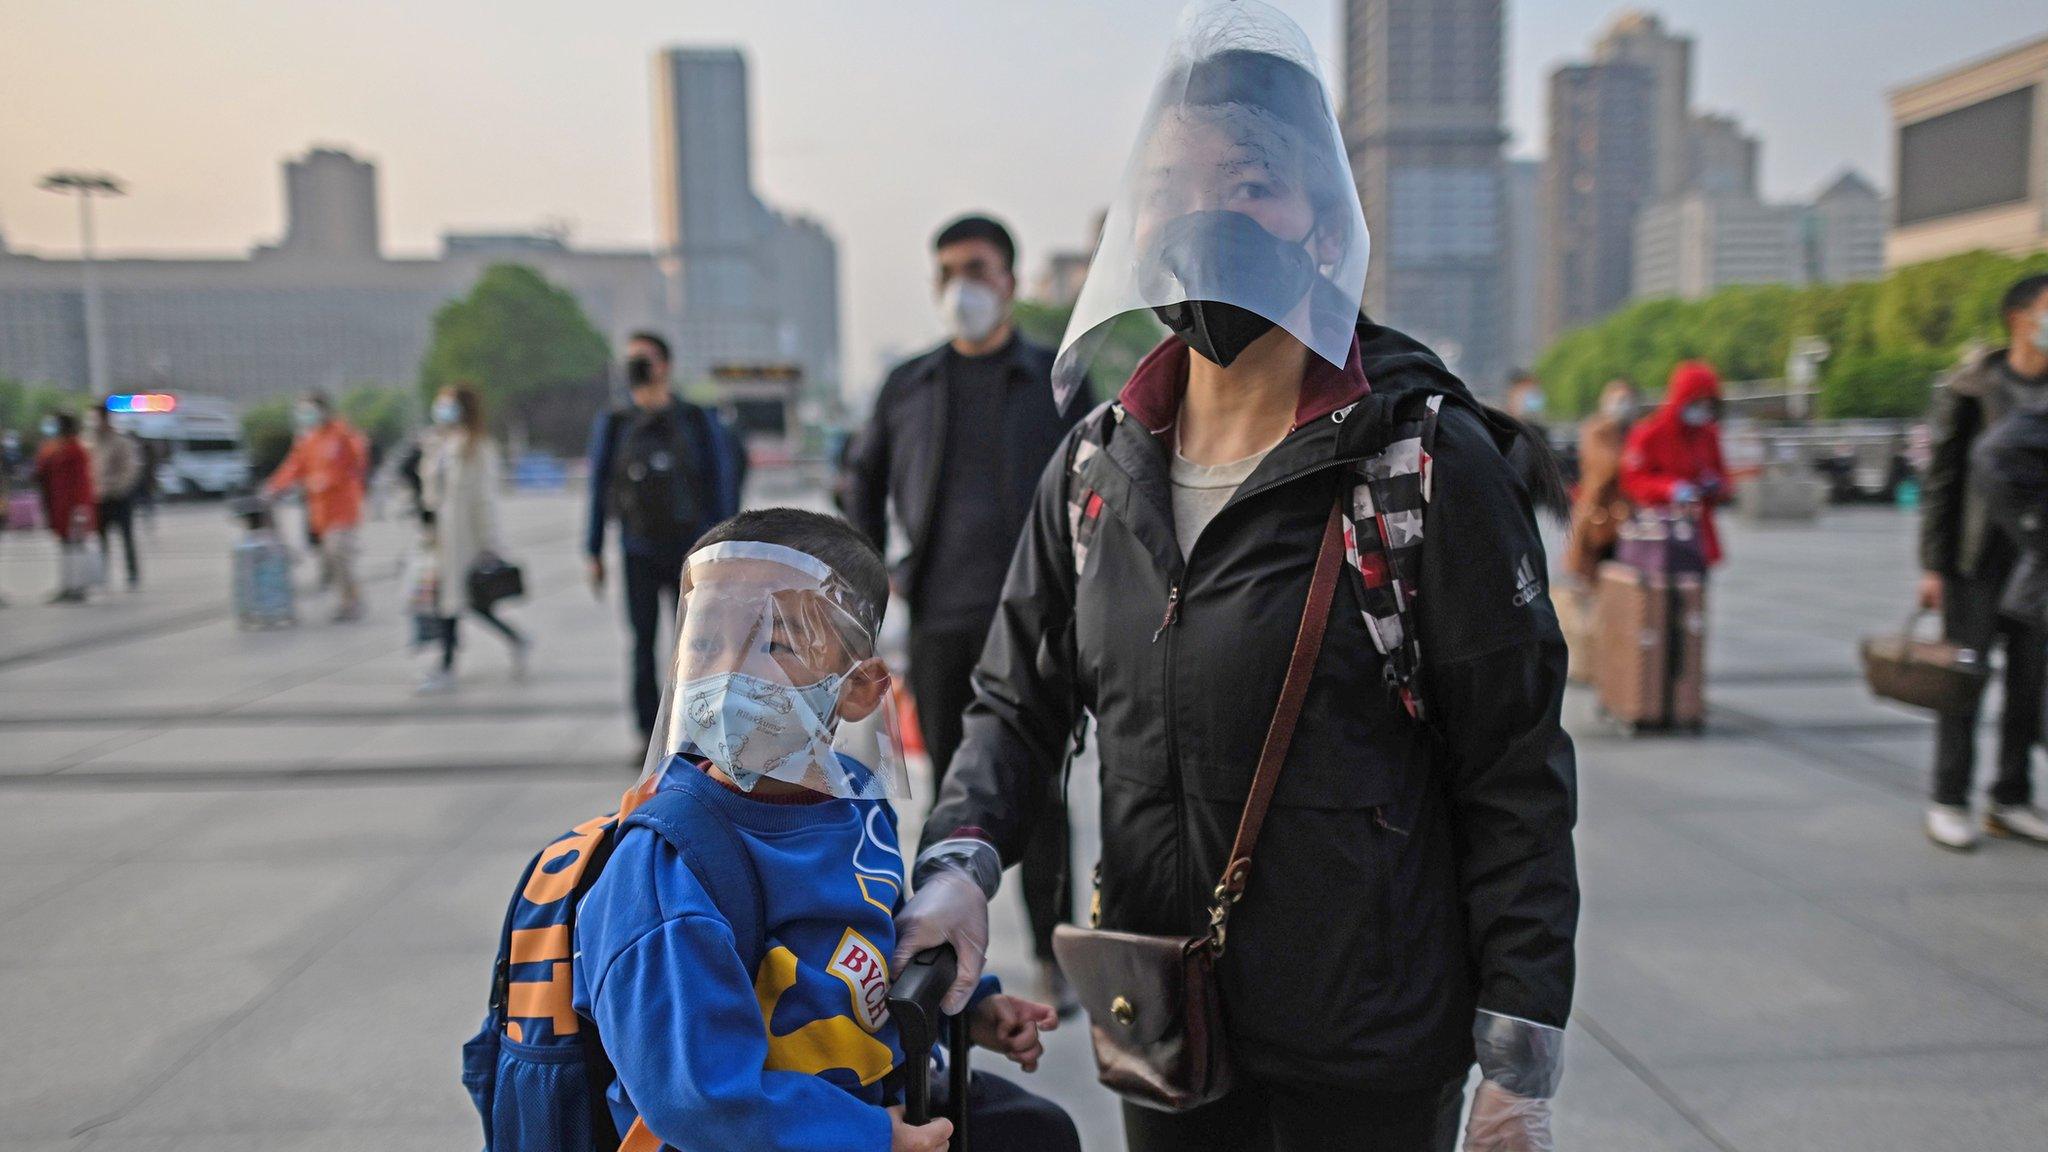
[639, 371]
[1215, 255]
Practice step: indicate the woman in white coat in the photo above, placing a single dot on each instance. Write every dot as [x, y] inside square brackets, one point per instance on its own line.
[459, 471]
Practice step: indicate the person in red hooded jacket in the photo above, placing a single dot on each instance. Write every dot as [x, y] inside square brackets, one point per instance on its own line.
[1673, 457]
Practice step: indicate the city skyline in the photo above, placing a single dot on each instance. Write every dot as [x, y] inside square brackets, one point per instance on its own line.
[505, 118]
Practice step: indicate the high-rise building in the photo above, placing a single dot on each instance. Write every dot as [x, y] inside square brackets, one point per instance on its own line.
[1525, 260]
[1637, 37]
[1600, 170]
[1422, 122]
[1845, 231]
[746, 285]
[1724, 158]
[1688, 246]
[330, 207]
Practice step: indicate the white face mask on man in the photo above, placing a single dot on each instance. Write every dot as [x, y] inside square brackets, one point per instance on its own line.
[971, 309]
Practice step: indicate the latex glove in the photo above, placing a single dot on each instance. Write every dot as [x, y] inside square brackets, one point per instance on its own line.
[950, 906]
[1504, 1122]
[1521, 1062]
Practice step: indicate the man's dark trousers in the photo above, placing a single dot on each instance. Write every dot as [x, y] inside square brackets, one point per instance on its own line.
[650, 579]
[118, 512]
[1970, 618]
[941, 671]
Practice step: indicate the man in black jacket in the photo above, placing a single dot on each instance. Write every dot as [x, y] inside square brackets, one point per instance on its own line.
[1967, 559]
[667, 470]
[957, 440]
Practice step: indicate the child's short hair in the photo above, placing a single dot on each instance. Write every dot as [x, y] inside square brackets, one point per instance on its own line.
[838, 544]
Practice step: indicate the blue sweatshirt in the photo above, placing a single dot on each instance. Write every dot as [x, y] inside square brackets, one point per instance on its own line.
[682, 1013]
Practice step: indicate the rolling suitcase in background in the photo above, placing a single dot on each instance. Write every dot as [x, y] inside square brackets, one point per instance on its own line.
[263, 596]
[1651, 671]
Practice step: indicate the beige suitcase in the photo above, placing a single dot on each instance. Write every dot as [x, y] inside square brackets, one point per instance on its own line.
[1651, 654]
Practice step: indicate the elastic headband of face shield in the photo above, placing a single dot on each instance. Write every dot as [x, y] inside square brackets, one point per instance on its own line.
[1238, 192]
[775, 677]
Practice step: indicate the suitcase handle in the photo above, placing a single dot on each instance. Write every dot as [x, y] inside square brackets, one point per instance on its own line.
[914, 1006]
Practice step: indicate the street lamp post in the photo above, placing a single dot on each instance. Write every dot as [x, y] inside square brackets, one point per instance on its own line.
[86, 185]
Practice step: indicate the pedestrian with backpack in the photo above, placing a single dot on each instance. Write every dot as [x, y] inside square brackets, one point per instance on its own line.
[1291, 574]
[666, 470]
[708, 968]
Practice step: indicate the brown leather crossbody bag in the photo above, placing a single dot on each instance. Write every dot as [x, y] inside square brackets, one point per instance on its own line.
[1155, 1011]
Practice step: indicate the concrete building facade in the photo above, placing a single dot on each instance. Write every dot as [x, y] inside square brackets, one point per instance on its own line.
[1600, 170]
[1525, 260]
[1971, 148]
[1422, 121]
[1723, 159]
[1688, 246]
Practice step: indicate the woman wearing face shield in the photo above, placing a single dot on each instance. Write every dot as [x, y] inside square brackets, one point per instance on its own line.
[1414, 898]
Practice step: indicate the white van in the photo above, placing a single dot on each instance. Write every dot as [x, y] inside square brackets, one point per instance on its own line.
[196, 441]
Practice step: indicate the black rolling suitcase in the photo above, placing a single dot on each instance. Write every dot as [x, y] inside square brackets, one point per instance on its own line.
[914, 1006]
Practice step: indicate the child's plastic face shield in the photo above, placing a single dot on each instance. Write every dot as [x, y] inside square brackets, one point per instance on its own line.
[776, 677]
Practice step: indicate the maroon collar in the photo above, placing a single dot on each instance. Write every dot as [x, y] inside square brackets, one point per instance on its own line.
[1156, 386]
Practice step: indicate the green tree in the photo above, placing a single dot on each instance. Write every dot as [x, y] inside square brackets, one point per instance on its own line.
[519, 339]
[383, 414]
[267, 434]
[1130, 337]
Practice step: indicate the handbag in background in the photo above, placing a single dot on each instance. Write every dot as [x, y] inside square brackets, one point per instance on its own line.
[1936, 675]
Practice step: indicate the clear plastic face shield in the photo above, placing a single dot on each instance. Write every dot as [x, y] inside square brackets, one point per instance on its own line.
[1237, 211]
[776, 678]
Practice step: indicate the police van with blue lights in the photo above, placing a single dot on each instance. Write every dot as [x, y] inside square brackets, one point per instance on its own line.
[194, 442]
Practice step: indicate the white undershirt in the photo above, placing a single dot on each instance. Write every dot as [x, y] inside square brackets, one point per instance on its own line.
[1201, 490]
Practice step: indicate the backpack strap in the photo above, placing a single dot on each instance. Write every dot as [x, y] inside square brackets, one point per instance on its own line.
[1389, 496]
[1084, 505]
[725, 870]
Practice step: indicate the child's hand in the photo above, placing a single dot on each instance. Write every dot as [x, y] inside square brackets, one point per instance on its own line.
[930, 1137]
[1010, 1025]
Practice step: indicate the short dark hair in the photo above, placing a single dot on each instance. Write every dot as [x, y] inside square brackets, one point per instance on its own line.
[2021, 296]
[318, 398]
[838, 544]
[979, 228]
[67, 422]
[660, 345]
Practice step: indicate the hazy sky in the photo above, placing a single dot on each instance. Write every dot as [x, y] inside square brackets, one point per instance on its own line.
[880, 118]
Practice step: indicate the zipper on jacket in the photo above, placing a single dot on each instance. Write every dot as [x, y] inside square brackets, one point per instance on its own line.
[1172, 612]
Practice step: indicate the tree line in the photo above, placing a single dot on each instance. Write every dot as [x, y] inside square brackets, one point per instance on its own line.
[1891, 338]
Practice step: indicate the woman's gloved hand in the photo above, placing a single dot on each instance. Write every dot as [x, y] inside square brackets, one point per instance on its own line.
[954, 880]
[1521, 1062]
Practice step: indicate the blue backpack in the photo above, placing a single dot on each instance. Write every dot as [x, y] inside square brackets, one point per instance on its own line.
[537, 1069]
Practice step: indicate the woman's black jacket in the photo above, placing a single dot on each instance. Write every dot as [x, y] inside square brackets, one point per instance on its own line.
[1406, 874]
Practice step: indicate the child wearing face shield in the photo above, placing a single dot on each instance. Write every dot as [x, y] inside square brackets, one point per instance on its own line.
[739, 988]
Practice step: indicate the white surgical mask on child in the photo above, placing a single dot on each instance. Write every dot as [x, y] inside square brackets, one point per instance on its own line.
[752, 727]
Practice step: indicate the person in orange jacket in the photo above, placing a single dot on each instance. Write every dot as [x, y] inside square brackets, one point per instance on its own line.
[1673, 457]
[330, 461]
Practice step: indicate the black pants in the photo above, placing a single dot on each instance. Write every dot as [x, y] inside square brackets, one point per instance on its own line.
[448, 630]
[1970, 617]
[1276, 1118]
[1002, 1117]
[119, 512]
[649, 580]
[941, 671]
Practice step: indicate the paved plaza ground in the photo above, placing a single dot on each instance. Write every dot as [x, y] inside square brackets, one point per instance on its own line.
[251, 885]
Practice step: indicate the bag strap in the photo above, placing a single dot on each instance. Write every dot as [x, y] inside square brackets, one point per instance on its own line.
[1301, 666]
